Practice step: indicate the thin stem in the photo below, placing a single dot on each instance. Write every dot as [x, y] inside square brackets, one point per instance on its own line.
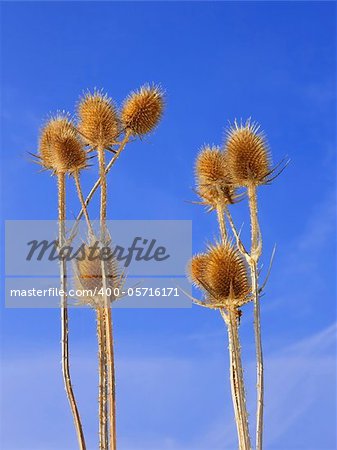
[234, 376]
[111, 383]
[256, 248]
[102, 410]
[112, 161]
[107, 309]
[233, 382]
[83, 205]
[64, 314]
[237, 380]
[236, 234]
[256, 238]
[221, 221]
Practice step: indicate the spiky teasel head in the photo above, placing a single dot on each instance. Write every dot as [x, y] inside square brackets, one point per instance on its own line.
[212, 177]
[98, 119]
[88, 277]
[196, 269]
[143, 109]
[222, 274]
[247, 154]
[60, 148]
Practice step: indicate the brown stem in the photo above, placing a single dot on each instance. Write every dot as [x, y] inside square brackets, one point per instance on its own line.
[256, 248]
[98, 182]
[236, 371]
[83, 205]
[102, 410]
[64, 314]
[107, 309]
[233, 383]
[236, 387]
[236, 234]
[221, 221]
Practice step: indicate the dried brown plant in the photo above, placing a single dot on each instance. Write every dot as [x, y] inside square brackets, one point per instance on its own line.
[213, 182]
[98, 120]
[250, 165]
[247, 154]
[88, 280]
[222, 271]
[140, 114]
[61, 151]
[143, 109]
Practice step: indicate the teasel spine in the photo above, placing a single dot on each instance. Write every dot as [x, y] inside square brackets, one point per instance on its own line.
[64, 313]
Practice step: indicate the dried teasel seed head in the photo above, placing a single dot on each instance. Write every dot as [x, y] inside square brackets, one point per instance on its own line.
[226, 274]
[212, 177]
[211, 165]
[98, 119]
[247, 154]
[88, 276]
[60, 148]
[143, 109]
[196, 269]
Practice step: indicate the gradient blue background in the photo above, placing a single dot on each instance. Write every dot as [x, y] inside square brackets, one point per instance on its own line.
[217, 61]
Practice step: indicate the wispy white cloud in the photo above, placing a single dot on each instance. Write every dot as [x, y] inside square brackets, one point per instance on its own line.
[175, 403]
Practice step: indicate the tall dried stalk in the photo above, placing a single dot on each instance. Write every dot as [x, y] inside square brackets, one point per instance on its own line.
[101, 335]
[62, 150]
[103, 422]
[236, 371]
[89, 197]
[243, 163]
[237, 383]
[221, 222]
[107, 309]
[64, 313]
[83, 204]
[255, 253]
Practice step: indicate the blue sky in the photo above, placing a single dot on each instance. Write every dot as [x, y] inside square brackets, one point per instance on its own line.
[273, 61]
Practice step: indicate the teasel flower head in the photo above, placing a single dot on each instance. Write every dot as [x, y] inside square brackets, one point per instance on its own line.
[222, 275]
[213, 181]
[88, 277]
[60, 148]
[143, 109]
[247, 154]
[98, 119]
[196, 269]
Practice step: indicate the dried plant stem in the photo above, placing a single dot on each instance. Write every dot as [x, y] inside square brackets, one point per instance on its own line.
[233, 383]
[256, 248]
[237, 382]
[106, 169]
[83, 205]
[236, 372]
[221, 221]
[102, 410]
[64, 315]
[109, 346]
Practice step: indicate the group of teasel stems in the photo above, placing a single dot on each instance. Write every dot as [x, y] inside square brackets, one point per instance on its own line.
[66, 145]
[227, 273]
